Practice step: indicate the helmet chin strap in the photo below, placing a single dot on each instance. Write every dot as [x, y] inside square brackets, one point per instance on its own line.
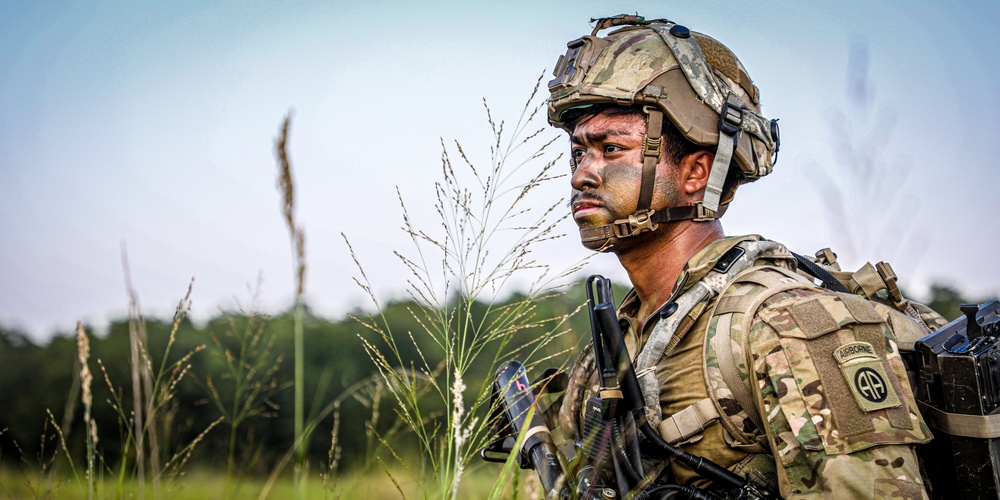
[652, 150]
[605, 238]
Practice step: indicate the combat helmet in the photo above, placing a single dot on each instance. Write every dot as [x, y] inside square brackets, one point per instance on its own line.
[667, 70]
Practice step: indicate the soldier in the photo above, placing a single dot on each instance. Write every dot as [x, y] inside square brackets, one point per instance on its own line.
[753, 365]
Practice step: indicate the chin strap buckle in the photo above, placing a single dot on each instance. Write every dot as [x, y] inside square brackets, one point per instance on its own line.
[639, 222]
[652, 147]
[703, 214]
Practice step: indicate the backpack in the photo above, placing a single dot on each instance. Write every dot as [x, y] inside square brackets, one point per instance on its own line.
[742, 288]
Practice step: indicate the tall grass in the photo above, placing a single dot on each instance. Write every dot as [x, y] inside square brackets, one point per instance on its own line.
[87, 398]
[138, 337]
[137, 419]
[247, 385]
[152, 392]
[286, 185]
[481, 245]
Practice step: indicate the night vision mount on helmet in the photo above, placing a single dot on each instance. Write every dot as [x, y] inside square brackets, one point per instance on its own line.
[667, 70]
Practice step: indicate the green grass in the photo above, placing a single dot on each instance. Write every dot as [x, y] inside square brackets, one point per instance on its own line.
[205, 484]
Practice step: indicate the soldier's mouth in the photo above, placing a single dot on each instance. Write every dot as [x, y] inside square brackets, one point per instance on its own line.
[581, 205]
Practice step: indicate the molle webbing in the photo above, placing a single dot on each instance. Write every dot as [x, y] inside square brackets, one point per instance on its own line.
[733, 303]
[759, 467]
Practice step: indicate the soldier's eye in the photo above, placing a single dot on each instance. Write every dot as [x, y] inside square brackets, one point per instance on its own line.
[611, 149]
[576, 154]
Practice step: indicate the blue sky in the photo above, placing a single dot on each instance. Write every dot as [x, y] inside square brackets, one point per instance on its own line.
[153, 125]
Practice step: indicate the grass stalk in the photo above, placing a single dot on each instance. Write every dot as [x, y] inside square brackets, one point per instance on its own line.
[151, 416]
[135, 340]
[151, 394]
[286, 185]
[87, 398]
[249, 381]
[72, 400]
[300, 438]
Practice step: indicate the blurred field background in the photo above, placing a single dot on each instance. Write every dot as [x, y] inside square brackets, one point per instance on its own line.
[189, 187]
[203, 485]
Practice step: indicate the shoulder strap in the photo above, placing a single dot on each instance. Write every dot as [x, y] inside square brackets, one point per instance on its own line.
[816, 271]
[661, 338]
[767, 282]
[957, 424]
[656, 347]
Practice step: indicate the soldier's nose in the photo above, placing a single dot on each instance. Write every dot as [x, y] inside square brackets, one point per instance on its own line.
[587, 175]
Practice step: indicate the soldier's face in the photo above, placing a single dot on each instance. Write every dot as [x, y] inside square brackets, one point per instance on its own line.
[607, 150]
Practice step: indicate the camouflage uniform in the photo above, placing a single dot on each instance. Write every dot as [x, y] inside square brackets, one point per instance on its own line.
[824, 435]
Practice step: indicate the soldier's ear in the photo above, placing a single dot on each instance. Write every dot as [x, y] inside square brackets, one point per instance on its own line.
[695, 169]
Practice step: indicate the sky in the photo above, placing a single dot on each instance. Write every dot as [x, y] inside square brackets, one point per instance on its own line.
[149, 126]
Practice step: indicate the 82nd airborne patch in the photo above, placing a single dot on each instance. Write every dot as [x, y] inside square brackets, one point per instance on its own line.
[866, 376]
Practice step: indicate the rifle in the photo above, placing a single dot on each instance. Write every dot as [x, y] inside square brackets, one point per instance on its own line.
[511, 399]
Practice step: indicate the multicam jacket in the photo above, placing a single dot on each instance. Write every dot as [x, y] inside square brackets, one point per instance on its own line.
[829, 388]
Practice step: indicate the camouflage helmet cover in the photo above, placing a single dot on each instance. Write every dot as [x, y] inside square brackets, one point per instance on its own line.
[689, 76]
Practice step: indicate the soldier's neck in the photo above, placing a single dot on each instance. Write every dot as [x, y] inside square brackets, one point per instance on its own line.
[654, 263]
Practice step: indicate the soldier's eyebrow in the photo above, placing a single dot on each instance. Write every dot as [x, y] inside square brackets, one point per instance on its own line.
[601, 135]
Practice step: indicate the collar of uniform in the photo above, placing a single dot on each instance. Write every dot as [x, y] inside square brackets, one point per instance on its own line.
[696, 268]
[702, 262]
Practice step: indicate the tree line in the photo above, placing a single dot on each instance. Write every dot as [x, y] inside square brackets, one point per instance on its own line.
[39, 392]
[39, 385]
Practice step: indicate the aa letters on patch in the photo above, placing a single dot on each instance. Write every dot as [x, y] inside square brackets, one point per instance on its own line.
[866, 376]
